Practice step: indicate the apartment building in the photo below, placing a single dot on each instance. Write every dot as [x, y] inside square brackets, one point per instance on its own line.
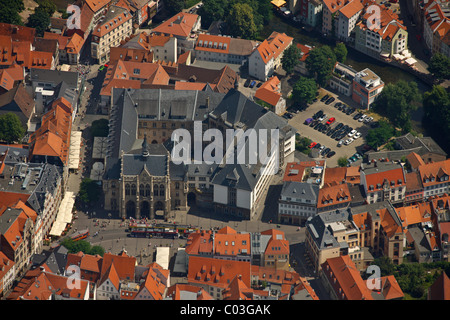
[269, 94]
[347, 18]
[342, 79]
[314, 12]
[223, 49]
[367, 86]
[383, 181]
[434, 178]
[298, 202]
[115, 26]
[266, 58]
[436, 26]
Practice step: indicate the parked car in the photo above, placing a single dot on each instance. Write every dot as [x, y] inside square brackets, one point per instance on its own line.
[337, 104]
[369, 119]
[252, 84]
[312, 145]
[326, 151]
[357, 135]
[322, 117]
[340, 143]
[324, 98]
[362, 118]
[330, 100]
[308, 121]
[331, 120]
[330, 154]
[317, 146]
[357, 116]
[348, 141]
[247, 83]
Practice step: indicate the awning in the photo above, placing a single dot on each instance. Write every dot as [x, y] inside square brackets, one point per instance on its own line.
[410, 61]
[75, 150]
[64, 215]
[278, 3]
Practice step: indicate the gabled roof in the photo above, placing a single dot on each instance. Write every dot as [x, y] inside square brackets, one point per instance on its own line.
[273, 46]
[114, 18]
[19, 96]
[351, 8]
[332, 195]
[269, 91]
[96, 5]
[180, 25]
[440, 289]
[348, 285]
[122, 263]
[181, 291]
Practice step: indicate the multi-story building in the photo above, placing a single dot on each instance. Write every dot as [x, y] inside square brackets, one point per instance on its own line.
[436, 26]
[270, 95]
[383, 181]
[266, 58]
[342, 79]
[385, 40]
[223, 49]
[366, 87]
[298, 202]
[184, 27]
[333, 197]
[115, 26]
[314, 12]
[346, 19]
[434, 178]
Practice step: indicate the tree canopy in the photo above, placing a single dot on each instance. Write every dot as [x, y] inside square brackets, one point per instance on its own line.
[11, 128]
[40, 20]
[436, 120]
[304, 91]
[290, 58]
[83, 246]
[439, 66]
[341, 52]
[9, 11]
[397, 101]
[379, 136]
[99, 128]
[89, 191]
[241, 21]
[320, 64]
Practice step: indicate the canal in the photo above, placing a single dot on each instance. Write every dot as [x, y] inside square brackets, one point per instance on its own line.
[355, 59]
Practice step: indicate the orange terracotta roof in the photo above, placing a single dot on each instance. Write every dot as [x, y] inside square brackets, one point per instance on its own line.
[388, 223]
[213, 43]
[413, 181]
[269, 91]
[362, 220]
[96, 5]
[18, 33]
[348, 285]
[199, 242]
[415, 214]
[294, 170]
[186, 85]
[40, 60]
[332, 195]
[123, 264]
[180, 24]
[440, 289]
[5, 265]
[334, 175]
[75, 44]
[277, 243]
[9, 198]
[414, 160]
[155, 282]
[376, 179]
[232, 244]
[352, 8]
[353, 176]
[432, 173]
[217, 272]
[273, 46]
[105, 26]
[175, 292]
[390, 289]
[305, 50]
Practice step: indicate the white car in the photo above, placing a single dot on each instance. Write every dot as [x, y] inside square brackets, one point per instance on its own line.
[363, 117]
[351, 133]
[367, 120]
[348, 141]
[321, 148]
[357, 135]
[340, 143]
[322, 117]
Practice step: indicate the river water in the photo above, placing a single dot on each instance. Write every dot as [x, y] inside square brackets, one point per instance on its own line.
[355, 59]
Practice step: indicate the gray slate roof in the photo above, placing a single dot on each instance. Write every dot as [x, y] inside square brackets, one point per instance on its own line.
[300, 190]
[156, 165]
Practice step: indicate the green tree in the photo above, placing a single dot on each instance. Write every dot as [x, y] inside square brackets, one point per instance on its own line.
[174, 6]
[304, 91]
[302, 144]
[48, 6]
[9, 11]
[320, 64]
[290, 58]
[342, 161]
[341, 52]
[89, 191]
[83, 246]
[212, 10]
[436, 120]
[40, 20]
[379, 136]
[240, 21]
[439, 66]
[100, 128]
[397, 101]
[11, 128]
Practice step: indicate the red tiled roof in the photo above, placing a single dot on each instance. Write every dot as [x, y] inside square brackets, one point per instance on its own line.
[273, 46]
[432, 173]
[377, 179]
[440, 289]
[217, 272]
[332, 195]
[213, 43]
[174, 292]
[269, 91]
[123, 264]
[104, 27]
[96, 5]
[348, 285]
[180, 24]
[294, 170]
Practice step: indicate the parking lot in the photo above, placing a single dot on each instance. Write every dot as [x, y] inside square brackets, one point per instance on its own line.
[330, 111]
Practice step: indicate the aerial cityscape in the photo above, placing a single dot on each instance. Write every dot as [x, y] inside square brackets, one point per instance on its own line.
[224, 150]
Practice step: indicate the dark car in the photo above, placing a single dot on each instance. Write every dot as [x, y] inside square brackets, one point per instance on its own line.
[312, 124]
[350, 111]
[317, 146]
[324, 98]
[330, 100]
[326, 151]
[339, 126]
[337, 104]
[247, 83]
[330, 154]
[357, 116]
[259, 84]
